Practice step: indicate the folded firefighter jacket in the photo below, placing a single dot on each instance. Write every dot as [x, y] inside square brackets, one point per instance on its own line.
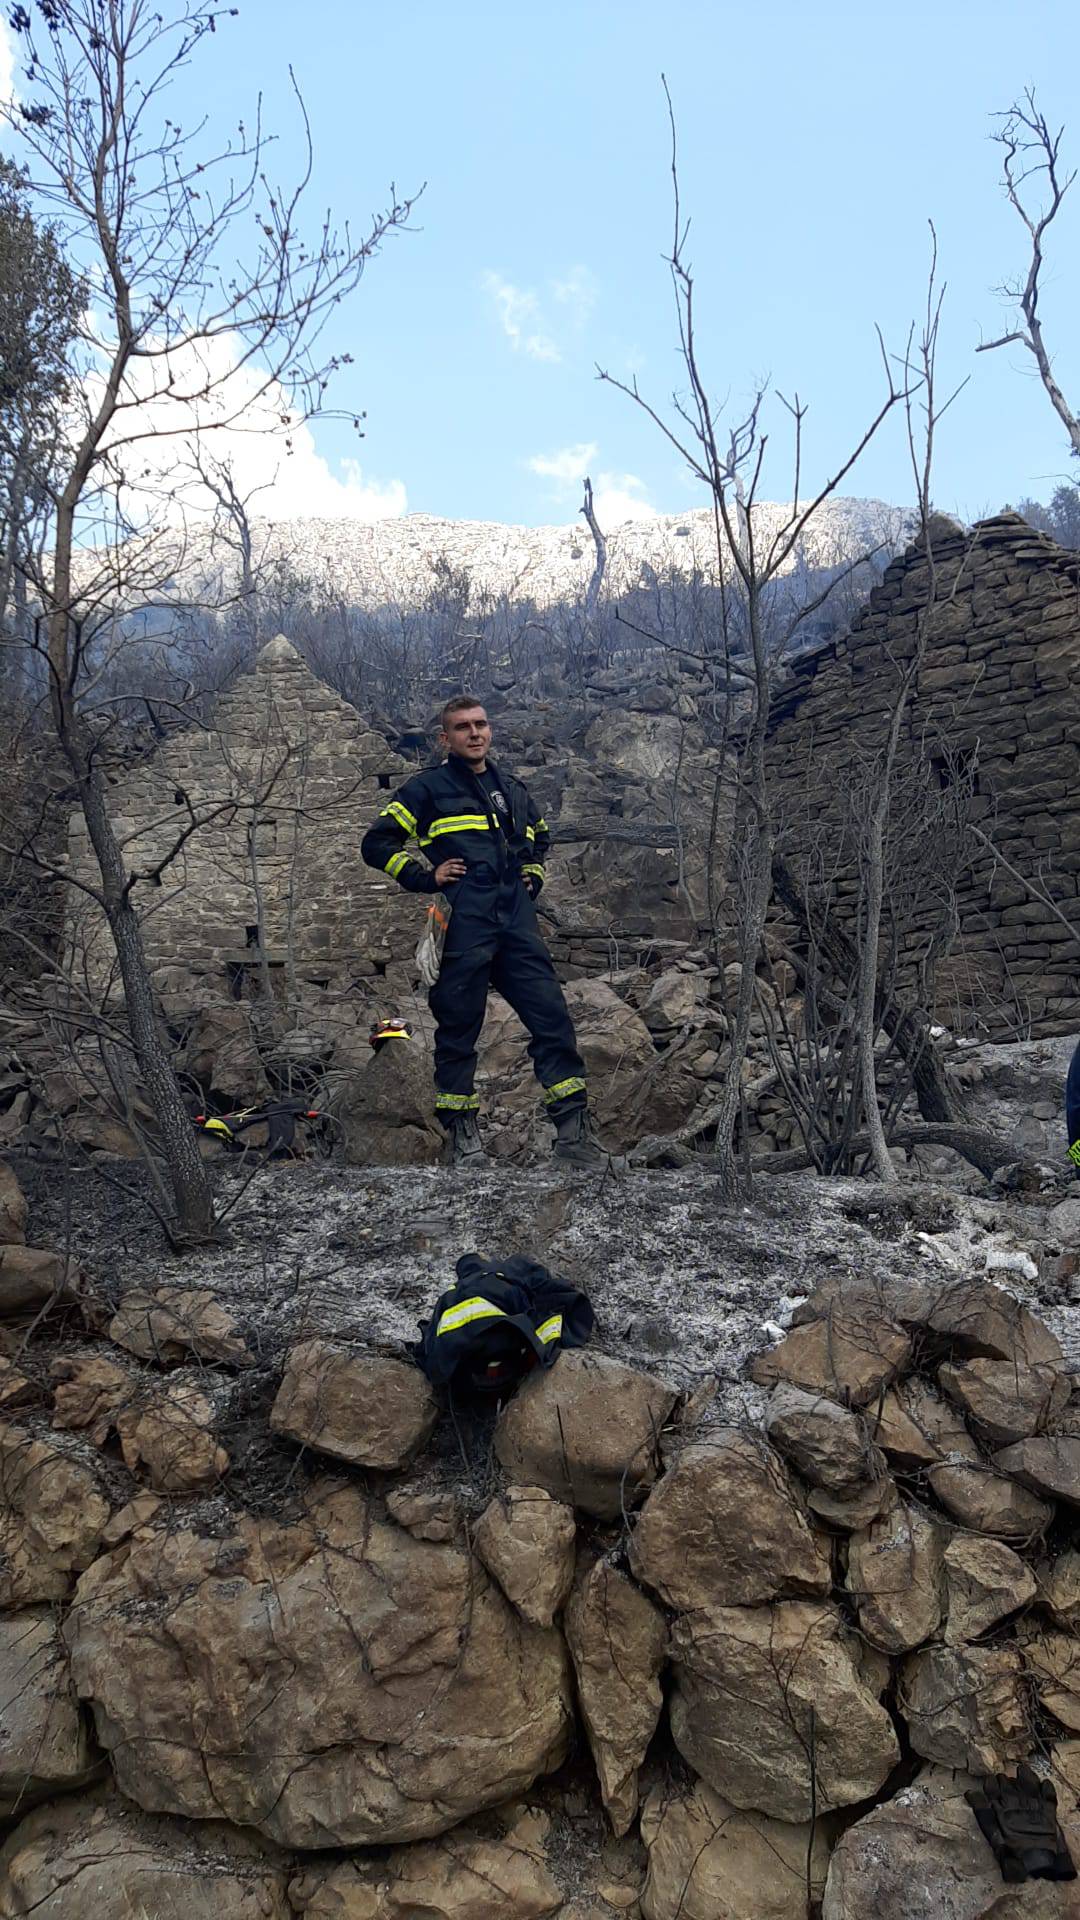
[490, 1299]
[449, 814]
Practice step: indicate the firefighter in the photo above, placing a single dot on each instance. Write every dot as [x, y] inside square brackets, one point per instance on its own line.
[1072, 1108]
[484, 842]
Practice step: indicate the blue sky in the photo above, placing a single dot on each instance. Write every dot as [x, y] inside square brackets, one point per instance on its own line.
[815, 144]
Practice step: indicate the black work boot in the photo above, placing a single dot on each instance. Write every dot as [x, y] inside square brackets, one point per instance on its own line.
[575, 1142]
[464, 1147]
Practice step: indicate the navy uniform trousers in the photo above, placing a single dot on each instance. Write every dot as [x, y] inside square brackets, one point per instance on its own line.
[493, 941]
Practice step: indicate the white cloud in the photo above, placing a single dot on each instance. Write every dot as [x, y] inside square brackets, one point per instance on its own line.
[568, 467]
[619, 497]
[577, 293]
[519, 315]
[203, 402]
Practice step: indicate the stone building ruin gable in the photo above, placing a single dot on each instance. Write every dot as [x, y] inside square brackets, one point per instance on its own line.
[998, 692]
[285, 778]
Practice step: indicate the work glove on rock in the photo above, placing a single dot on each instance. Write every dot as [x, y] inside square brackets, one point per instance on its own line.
[1019, 1820]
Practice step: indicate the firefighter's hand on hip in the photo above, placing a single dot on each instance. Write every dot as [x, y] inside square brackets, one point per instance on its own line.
[450, 870]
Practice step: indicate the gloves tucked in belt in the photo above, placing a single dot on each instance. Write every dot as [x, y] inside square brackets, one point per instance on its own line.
[1019, 1819]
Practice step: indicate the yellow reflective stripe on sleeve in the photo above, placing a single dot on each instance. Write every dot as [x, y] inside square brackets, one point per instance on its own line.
[551, 1329]
[563, 1088]
[542, 827]
[395, 864]
[530, 833]
[468, 1311]
[533, 867]
[395, 811]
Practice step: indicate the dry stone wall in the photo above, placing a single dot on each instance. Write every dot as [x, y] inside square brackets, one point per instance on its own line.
[999, 692]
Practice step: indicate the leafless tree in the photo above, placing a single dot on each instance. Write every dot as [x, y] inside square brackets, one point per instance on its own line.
[730, 468]
[1035, 185]
[190, 337]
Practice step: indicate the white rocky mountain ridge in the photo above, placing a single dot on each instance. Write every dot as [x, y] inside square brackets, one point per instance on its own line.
[392, 562]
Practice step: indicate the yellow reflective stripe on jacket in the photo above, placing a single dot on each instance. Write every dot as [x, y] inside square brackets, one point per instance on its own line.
[401, 814]
[551, 1329]
[530, 833]
[395, 864]
[533, 867]
[563, 1088]
[1074, 1153]
[468, 1310]
[456, 823]
[542, 826]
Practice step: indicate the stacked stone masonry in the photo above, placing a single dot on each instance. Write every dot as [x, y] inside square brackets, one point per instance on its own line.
[999, 692]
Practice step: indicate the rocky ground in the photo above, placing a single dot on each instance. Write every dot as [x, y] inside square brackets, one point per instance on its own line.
[282, 1635]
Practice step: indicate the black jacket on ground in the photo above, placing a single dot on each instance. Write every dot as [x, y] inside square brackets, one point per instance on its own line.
[491, 1298]
[447, 811]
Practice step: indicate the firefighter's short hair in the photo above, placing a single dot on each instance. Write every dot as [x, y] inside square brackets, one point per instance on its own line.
[461, 703]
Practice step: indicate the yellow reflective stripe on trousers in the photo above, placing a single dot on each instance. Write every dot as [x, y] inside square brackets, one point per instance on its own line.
[530, 833]
[551, 1329]
[457, 1102]
[1074, 1153]
[466, 1312]
[563, 1089]
[395, 811]
[395, 864]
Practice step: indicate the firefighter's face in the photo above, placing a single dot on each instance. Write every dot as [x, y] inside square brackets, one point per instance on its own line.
[468, 734]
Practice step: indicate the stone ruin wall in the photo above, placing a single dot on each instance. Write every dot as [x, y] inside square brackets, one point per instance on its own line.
[1000, 683]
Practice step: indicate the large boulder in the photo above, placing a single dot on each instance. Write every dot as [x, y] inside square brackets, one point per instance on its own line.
[709, 1861]
[675, 1000]
[764, 1692]
[386, 1109]
[851, 1353]
[32, 1276]
[980, 1320]
[645, 746]
[221, 1055]
[526, 1540]
[465, 1877]
[965, 1707]
[588, 1430]
[12, 1207]
[895, 1574]
[52, 1515]
[359, 1407]
[1005, 1400]
[915, 1427]
[170, 1434]
[97, 1858]
[618, 1642]
[334, 1683]
[985, 1581]
[44, 1745]
[725, 1528]
[1049, 1466]
[824, 1442]
[175, 1324]
[1053, 1663]
[921, 1855]
[987, 1501]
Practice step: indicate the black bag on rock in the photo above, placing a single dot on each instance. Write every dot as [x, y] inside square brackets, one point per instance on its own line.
[502, 1319]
